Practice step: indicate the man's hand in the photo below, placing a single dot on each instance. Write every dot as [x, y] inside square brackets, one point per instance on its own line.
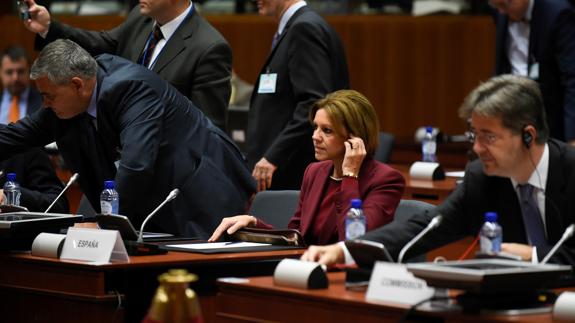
[39, 21]
[263, 173]
[325, 255]
[522, 250]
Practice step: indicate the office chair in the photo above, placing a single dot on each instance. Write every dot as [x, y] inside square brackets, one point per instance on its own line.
[85, 208]
[275, 207]
[383, 151]
[405, 210]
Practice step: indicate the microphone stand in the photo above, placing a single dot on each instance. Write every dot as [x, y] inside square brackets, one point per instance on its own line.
[566, 235]
[432, 225]
[70, 182]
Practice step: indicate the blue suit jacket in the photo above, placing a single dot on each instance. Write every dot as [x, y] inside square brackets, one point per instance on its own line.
[552, 46]
[162, 142]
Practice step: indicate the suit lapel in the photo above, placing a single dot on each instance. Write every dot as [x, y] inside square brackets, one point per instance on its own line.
[140, 39]
[534, 30]
[177, 43]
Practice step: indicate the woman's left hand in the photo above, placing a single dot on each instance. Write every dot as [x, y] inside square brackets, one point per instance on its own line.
[354, 155]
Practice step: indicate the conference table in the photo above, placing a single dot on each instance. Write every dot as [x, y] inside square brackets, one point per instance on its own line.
[35, 289]
[244, 302]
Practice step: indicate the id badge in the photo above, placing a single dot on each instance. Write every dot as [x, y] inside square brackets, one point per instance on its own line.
[534, 71]
[268, 83]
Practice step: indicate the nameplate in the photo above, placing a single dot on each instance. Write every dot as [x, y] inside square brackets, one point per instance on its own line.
[426, 170]
[393, 283]
[94, 245]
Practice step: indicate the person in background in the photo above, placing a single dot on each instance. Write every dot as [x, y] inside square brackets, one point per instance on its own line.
[536, 39]
[345, 137]
[521, 174]
[306, 62]
[35, 174]
[113, 119]
[167, 36]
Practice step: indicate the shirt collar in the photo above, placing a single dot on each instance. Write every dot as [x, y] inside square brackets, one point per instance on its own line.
[288, 14]
[538, 178]
[169, 28]
[93, 107]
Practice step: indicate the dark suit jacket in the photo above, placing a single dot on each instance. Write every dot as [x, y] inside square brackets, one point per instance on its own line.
[309, 61]
[196, 60]
[552, 45]
[165, 143]
[379, 187]
[38, 181]
[463, 212]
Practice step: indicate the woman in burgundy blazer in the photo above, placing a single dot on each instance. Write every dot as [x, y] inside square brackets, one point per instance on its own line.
[345, 138]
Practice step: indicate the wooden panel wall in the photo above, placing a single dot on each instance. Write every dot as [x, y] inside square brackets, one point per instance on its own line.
[415, 70]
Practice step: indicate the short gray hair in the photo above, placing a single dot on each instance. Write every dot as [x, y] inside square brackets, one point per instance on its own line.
[62, 60]
[516, 100]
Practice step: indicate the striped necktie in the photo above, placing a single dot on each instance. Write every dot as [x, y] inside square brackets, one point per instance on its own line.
[153, 39]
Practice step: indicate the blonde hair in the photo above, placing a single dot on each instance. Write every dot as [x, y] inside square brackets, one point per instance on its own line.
[351, 113]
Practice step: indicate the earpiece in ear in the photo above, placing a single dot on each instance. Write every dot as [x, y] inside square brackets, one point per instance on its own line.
[527, 138]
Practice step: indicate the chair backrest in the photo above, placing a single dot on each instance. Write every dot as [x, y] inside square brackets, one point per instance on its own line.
[383, 151]
[85, 208]
[407, 209]
[275, 207]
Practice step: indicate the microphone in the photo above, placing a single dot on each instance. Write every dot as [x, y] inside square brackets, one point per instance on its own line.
[70, 182]
[434, 223]
[170, 197]
[568, 233]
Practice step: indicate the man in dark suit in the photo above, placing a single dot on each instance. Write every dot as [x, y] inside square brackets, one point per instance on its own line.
[190, 54]
[35, 174]
[536, 38]
[306, 62]
[108, 109]
[528, 179]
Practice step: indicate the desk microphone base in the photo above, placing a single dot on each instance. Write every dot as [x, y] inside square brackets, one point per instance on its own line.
[143, 249]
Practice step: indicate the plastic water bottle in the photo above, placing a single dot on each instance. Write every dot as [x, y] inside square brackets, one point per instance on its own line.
[491, 234]
[429, 146]
[355, 225]
[109, 199]
[11, 190]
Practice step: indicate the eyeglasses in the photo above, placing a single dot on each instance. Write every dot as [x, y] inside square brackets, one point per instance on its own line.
[483, 138]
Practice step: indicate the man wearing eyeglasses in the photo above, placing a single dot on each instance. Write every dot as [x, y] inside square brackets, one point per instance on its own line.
[521, 174]
[536, 38]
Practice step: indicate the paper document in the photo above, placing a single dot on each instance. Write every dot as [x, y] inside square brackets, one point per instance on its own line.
[217, 245]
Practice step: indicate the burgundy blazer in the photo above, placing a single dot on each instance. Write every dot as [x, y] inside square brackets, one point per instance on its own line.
[379, 186]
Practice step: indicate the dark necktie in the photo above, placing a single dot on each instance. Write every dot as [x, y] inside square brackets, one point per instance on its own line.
[532, 217]
[153, 39]
[275, 40]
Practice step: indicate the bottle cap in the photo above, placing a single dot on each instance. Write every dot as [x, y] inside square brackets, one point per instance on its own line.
[356, 203]
[109, 185]
[11, 177]
[490, 217]
[429, 129]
